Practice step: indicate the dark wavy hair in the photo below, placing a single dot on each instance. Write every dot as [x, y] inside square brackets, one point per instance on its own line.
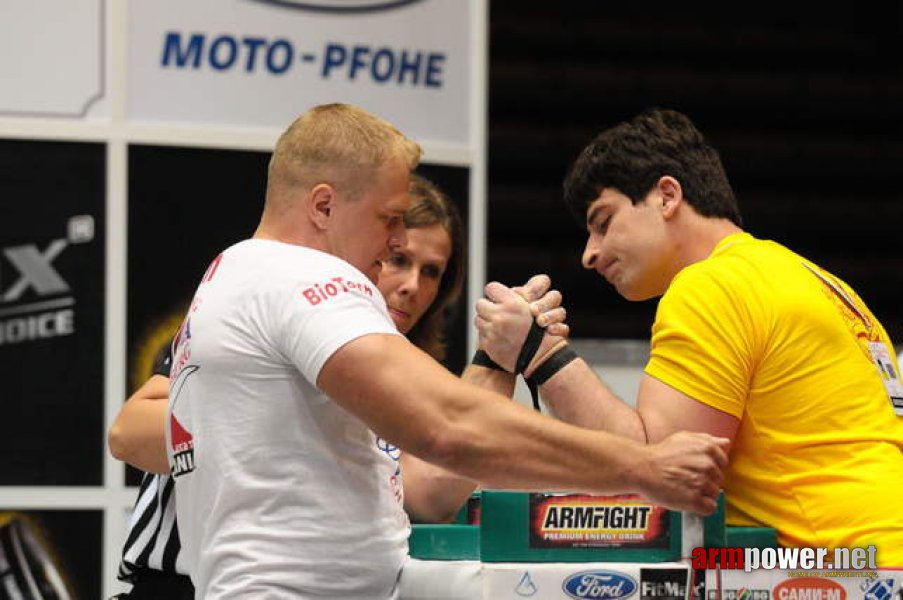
[430, 206]
[632, 156]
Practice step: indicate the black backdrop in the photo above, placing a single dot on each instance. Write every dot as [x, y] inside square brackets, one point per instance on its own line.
[51, 312]
[804, 101]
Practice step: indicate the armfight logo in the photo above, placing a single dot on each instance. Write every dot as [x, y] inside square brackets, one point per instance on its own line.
[36, 301]
[587, 521]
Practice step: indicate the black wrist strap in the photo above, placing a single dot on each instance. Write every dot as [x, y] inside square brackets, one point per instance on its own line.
[531, 345]
[482, 359]
[527, 352]
[553, 364]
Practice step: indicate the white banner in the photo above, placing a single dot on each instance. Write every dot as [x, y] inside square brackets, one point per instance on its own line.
[51, 57]
[779, 584]
[260, 63]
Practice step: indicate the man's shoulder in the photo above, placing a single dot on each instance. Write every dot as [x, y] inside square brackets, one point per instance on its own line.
[290, 262]
[285, 275]
[274, 251]
[740, 261]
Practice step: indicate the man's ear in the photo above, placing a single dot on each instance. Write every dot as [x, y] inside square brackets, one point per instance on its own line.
[321, 204]
[672, 195]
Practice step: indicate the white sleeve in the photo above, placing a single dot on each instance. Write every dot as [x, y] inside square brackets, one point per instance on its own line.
[319, 319]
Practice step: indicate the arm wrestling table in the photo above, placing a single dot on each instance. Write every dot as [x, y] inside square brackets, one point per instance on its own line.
[542, 546]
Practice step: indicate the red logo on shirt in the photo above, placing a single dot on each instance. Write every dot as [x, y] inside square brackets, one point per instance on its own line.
[182, 448]
[321, 292]
[181, 440]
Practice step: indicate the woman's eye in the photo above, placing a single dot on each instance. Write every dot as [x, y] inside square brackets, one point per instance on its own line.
[432, 272]
[398, 260]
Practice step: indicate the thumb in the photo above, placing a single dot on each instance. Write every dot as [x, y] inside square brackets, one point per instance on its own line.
[535, 287]
[497, 292]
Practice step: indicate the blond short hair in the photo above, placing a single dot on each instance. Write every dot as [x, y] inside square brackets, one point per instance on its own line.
[338, 144]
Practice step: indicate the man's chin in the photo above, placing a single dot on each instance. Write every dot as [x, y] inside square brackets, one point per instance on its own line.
[634, 294]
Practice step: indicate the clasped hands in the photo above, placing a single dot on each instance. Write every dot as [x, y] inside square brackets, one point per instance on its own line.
[506, 314]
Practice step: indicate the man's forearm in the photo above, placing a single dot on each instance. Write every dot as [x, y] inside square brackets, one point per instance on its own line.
[481, 435]
[501, 382]
[576, 395]
[138, 436]
[434, 494]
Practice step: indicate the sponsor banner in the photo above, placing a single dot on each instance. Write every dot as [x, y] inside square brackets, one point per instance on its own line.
[50, 555]
[262, 62]
[664, 584]
[603, 581]
[51, 58]
[884, 586]
[661, 581]
[52, 260]
[881, 584]
[740, 593]
[588, 521]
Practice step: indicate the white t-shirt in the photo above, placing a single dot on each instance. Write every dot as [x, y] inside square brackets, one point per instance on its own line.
[280, 493]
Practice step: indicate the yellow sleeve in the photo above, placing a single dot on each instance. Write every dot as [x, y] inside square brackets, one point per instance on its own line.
[703, 338]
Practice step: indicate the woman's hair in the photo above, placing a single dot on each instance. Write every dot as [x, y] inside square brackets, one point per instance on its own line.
[430, 206]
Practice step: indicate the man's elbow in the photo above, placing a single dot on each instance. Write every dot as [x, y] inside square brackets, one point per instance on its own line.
[117, 442]
[450, 447]
[430, 512]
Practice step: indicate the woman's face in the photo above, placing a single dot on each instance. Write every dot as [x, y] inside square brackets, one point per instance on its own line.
[410, 278]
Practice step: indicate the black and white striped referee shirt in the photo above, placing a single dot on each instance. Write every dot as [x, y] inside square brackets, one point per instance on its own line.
[153, 536]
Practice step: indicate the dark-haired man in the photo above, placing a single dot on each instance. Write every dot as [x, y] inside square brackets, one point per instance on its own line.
[751, 342]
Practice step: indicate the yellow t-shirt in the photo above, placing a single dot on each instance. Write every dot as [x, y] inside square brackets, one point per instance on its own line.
[756, 331]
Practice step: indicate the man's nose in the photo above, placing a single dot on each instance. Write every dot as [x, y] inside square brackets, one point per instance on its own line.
[398, 238]
[590, 254]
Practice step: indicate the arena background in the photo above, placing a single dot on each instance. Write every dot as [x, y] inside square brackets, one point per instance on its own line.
[804, 102]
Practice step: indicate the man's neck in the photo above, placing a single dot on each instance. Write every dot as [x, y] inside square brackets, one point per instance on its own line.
[288, 235]
[705, 235]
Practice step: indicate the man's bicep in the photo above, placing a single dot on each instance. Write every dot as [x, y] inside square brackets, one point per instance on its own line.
[388, 383]
[665, 410]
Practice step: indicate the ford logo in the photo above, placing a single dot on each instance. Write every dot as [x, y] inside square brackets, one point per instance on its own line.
[341, 6]
[599, 584]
